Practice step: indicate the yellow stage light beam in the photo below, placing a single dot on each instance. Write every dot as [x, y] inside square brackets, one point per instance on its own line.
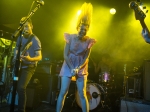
[78, 12]
[101, 21]
[131, 37]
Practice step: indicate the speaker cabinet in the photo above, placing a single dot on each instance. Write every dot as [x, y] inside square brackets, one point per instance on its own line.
[146, 80]
[134, 105]
[133, 87]
[49, 83]
[33, 96]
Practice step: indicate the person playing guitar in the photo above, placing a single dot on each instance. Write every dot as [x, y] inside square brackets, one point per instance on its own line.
[140, 15]
[30, 54]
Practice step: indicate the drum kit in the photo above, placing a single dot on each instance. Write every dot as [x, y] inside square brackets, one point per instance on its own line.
[94, 93]
[97, 93]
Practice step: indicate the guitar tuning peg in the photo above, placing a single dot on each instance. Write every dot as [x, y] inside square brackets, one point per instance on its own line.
[144, 7]
[146, 11]
[141, 3]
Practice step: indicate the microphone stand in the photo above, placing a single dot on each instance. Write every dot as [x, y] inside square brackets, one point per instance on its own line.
[15, 76]
[17, 63]
[26, 19]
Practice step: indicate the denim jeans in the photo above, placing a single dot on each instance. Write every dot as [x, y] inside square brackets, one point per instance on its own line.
[24, 78]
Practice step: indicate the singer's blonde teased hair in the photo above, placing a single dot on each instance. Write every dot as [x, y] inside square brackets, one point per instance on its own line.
[86, 15]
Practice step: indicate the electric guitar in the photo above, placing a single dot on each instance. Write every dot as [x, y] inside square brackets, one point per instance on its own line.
[23, 53]
[26, 48]
[139, 14]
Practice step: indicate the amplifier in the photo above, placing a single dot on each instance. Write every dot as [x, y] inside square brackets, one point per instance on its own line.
[43, 69]
[47, 67]
[33, 96]
[146, 79]
[133, 87]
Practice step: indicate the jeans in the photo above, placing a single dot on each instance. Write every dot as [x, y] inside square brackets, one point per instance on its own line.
[24, 78]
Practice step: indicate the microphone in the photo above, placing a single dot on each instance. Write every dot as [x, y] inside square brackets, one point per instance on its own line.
[41, 2]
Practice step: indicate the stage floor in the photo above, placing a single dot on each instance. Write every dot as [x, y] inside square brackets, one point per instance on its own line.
[44, 107]
[123, 104]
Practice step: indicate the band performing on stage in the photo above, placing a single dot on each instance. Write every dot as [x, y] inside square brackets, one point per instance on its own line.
[59, 61]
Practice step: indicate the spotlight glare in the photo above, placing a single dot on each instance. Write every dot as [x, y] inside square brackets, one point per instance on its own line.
[79, 12]
[141, 7]
[112, 11]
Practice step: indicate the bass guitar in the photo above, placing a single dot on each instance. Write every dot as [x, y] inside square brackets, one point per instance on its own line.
[139, 14]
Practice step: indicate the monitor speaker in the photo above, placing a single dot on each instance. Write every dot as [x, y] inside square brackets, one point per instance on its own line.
[134, 105]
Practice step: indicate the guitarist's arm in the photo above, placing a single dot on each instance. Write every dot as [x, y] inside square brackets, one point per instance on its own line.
[37, 57]
[145, 31]
[145, 35]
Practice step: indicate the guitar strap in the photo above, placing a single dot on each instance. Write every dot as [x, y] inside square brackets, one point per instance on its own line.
[30, 38]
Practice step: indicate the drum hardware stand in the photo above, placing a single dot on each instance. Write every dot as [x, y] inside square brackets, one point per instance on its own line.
[73, 101]
[104, 102]
[72, 95]
[1, 94]
[125, 81]
[125, 86]
[73, 104]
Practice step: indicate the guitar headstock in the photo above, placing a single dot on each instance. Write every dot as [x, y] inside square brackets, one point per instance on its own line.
[139, 14]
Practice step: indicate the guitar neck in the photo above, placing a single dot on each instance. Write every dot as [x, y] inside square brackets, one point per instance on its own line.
[23, 52]
[144, 26]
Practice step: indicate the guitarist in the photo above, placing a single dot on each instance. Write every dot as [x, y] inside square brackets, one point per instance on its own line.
[28, 60]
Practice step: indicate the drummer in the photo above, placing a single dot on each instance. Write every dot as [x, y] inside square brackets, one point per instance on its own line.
[104, 68]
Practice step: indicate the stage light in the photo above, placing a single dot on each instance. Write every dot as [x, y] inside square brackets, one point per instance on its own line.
[79, 12]
[112, 11]
[141, 7]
